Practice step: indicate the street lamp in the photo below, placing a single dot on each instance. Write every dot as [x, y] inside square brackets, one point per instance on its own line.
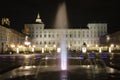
[27, 43]
[42, 50]
[108, 38]
[111, 48]
[17, 50]
[54, 46]
[46, 48]
[84, 49]
[33, 48]
[112, 45]
[58, 50]
[100, 50]
[69, 46]
[12, 45]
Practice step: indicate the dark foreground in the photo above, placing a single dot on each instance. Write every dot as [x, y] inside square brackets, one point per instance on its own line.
[75, 73]
[10, 62]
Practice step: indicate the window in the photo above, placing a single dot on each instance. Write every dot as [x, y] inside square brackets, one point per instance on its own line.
[49, 43]
[44, 42]
[40, 27]
[87, 35]
[49, 35]
[40, 35]
[44, 35]
[83, 34]
[31, 35]
[70, 35]
[36, 36]
[40, 42]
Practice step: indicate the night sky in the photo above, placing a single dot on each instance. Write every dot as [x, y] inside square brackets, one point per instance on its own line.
[80, 12]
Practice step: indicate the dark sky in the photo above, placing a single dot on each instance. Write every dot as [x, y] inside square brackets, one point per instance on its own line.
[80, 12]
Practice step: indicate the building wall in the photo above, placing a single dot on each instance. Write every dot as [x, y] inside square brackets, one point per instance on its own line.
[74, 37]
[113, 38]
[9, 36]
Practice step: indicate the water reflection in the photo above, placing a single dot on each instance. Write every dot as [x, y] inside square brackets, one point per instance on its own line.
[63, 75]
[84, 70]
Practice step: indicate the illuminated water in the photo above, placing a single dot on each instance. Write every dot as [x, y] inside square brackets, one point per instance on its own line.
[84, 71]
[61, 23]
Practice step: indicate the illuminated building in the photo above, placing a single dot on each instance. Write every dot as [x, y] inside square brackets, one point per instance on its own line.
[75, 37]
[113, 38]
[9, 36]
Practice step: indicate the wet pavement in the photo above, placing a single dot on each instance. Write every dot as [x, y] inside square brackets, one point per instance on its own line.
[26, 66]
[74, 71]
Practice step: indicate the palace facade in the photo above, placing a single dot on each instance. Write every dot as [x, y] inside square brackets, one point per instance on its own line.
[75, 38]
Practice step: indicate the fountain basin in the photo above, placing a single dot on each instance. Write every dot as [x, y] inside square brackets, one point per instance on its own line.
[77, 72]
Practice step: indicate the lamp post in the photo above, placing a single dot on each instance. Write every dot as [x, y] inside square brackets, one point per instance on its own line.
[84, 48]
[58, 50]
[54, 46]
[46, 47]
[111, 48]
[108, 41]
[42, 50]
[69, 47]
[12, 47]
[100, 50]
[33, 48]
[17, 50]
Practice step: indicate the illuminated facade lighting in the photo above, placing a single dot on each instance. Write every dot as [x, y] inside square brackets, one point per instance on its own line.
[75, 37]
[58, 50]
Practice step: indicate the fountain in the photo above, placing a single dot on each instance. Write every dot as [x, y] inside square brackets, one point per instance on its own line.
[88, 68]
[61, 23]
